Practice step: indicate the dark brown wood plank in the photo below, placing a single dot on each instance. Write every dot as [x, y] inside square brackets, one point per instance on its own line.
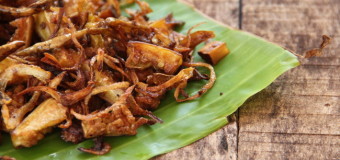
[298, 116]
[223, 143]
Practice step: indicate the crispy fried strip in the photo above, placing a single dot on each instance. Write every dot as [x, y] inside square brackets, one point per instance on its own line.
[5, 99]
[13, 119]
[53, 61]
[188, 40]
[98, 64]
[56, 80]
[137, 110]
[145, 8]
[21, 60]
[67, 124]
[116, 7]
[23, 70]
[68, 120]
[9, 48]
[133, 76]
[158, 78]
[41, 3]
[65, 99]
[60, 17]
[121, 101]
[109, 61]
[101, 89]
[183, 75]
[24, 11]
[205, 88]
[57, 42]
[78, 45]
[99, 148]
[17, 12]
[79, 82]
[179, 89]
[51, 91]
[74, 97]
[50, 59]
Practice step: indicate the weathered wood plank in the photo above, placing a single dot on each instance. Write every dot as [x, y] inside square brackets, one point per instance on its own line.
[272, 146]
[223, 143]
[225, 11]
[298, 116]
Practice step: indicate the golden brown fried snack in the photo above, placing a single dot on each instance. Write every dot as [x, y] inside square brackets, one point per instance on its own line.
[213, 52]
[7, 49]
[116, 122]
[82, 66]
[32, 129]
[143, 55]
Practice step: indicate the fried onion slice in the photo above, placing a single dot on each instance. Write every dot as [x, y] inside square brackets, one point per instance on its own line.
[100, 147]
[204, 89]
[12, 74]
[122, 100]
[13, 116]
[183, 75]
[66, 98]
[117, 88]
[24, 11]
[56, 42]
[9, 48]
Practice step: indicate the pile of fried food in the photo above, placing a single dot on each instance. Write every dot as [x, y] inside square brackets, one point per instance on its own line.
[80, 66]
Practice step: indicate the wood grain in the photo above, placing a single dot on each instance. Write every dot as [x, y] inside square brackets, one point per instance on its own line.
[296, 117]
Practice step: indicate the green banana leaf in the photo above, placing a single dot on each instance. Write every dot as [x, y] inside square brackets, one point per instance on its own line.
[251, 66]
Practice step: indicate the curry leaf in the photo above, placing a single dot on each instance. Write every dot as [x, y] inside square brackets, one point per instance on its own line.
[251, 66]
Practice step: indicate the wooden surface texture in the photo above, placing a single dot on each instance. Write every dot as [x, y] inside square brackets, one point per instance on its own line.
[297, 116]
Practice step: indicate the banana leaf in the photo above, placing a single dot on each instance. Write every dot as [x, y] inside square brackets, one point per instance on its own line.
[251, 66]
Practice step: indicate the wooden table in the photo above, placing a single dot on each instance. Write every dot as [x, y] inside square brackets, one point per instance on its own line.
[297, 116]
